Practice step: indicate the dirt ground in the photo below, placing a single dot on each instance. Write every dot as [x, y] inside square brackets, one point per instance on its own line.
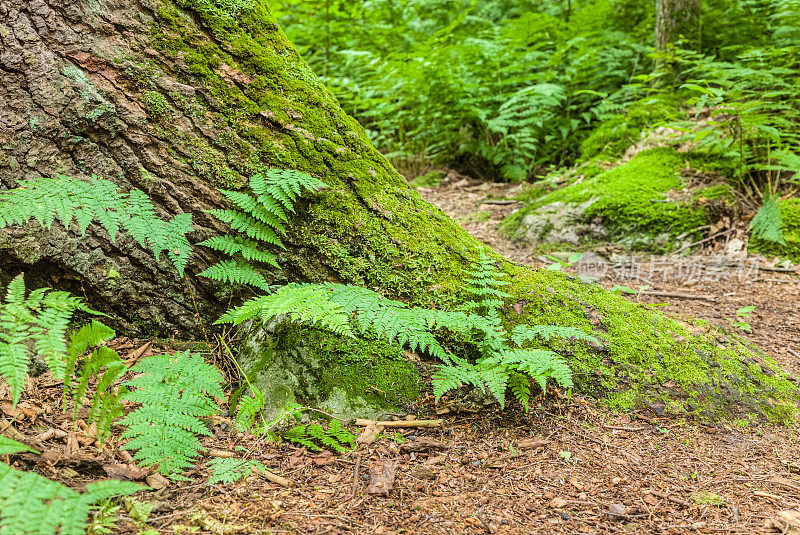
[570, 466]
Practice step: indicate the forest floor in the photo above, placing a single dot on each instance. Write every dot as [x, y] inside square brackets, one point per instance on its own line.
[570, 466]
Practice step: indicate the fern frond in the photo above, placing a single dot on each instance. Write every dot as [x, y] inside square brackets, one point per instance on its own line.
[283, 186]
[248, 225]
[236, 272]
[42, 319]
[768, 221]
[32, 504]
[249, 249]
[227, 471]
[248, 408]
[520, 387]
[103, 364]
[97, 199]
[12, 446]
[316, 437]
[540, 364]
[174, 393]
[309, 304]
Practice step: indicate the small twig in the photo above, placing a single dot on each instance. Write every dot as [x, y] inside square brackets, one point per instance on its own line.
[356, 475]
[400, 423]
[793, 352]
[679, 295]
[224, 454]
[631, 429]
[269, 476]
[717, 235]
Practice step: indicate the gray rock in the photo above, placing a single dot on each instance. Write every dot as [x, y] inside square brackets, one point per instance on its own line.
[302, 371]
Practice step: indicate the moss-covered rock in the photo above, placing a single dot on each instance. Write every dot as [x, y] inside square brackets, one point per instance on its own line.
[611, 138]
[349, 378]
[790, 213]
[627, 204]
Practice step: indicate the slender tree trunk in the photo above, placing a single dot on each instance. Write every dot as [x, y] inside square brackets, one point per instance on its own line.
[180, 97]
[675, 19]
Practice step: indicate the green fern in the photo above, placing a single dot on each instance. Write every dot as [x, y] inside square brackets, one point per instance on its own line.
[316, 437]
[248, 409]
[309, 304]
[260, 221]
[227, 471]
[103, 364]
[97, 199]
[175, 392]
[32, 504]
[768, 222]
[41, 318]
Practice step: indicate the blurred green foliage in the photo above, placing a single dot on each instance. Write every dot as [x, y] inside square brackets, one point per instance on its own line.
[508, 89]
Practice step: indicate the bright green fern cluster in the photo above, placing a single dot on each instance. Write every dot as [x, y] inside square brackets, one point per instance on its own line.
[175, 393]
[352, 310]
[768, 222]
[32, 504]
[34, 325]
[103, 366]
[259, 219]
[97, 199]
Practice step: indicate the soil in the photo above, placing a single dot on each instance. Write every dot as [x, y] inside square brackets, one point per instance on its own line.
[568, 466]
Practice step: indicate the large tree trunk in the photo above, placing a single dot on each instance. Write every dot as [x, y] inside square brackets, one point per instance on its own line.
[179, 97]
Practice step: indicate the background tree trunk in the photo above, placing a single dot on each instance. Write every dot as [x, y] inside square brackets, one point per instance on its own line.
[675, 19]
[179, 97]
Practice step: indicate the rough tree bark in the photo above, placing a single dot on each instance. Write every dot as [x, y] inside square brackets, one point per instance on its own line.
[179, 97]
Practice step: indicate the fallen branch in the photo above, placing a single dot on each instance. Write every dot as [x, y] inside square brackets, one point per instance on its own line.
[679, 295]
[704, 240]
[274, 478]
[400, 423]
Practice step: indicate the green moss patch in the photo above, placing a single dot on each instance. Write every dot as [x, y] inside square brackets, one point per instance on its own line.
[628, 204]
[350, 378]
[611, 138]
[649, 359]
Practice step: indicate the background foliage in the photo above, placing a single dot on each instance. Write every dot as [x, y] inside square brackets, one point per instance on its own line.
[510, 88]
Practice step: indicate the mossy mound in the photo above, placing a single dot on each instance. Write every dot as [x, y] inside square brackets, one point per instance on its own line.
[649, 359]
[611, 138]
[349, 378]
[628, 204]
[790, 212]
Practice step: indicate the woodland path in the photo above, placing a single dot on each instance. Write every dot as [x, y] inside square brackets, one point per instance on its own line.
[571, 466]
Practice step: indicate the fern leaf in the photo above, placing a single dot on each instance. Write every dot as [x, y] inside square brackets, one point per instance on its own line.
[768, 221]
[235, 272]
[32, 504]
[227, 471]
[174, 392]
[309, 304]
